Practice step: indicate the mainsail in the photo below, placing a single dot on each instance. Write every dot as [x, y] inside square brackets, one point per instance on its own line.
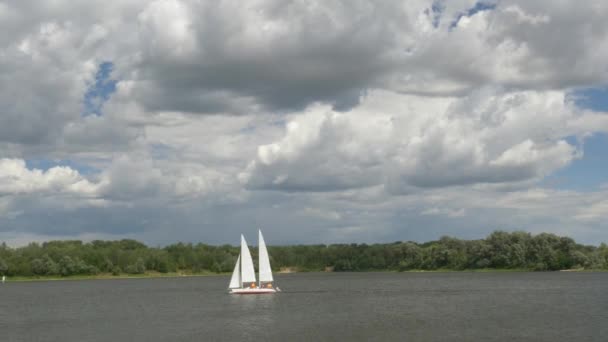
[265, 271]
[247, 270]
[235, 281]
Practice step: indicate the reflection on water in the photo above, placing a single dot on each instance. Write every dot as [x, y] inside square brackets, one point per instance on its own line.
[315, 306]
[254, 314]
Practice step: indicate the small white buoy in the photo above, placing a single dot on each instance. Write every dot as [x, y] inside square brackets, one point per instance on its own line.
[278, 289]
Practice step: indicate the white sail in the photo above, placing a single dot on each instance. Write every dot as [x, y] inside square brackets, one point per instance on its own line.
[247, 270]
[235, 281]
[265, 271]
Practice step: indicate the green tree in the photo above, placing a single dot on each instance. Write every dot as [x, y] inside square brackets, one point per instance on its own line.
[116, 270]
[107, 265]
[579, 259]
[67, 266]
[603, 256]
[411, 256]
[3, 267]
[39, 267]
[139, 267]
[52, 268]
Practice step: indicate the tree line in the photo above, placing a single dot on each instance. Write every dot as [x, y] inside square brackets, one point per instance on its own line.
[500, 250]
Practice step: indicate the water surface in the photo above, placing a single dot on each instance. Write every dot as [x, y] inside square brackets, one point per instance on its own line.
[556, 306]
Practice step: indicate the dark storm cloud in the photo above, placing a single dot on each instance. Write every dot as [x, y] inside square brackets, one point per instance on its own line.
[283, 56]
[50, 221]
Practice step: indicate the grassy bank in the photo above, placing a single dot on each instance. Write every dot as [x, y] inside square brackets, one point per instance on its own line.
[112, 276]
[207, 274]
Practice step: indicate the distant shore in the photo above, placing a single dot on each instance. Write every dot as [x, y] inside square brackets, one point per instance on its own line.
[152, 275]
[499, 252]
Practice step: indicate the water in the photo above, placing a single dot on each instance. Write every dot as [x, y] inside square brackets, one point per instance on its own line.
[313, 307]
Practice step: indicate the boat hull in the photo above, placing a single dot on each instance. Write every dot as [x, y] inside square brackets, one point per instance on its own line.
[252, 291]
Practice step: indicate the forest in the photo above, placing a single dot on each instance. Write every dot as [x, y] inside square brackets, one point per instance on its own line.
[500, 250]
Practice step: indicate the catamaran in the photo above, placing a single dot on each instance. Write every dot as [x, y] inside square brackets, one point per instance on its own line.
[243, 277]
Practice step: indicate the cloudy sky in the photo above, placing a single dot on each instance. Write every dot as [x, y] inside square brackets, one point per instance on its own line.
[317, 120]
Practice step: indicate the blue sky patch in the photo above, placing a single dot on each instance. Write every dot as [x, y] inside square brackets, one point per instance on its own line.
[479, 6]
[100, 91]
[436, 9]
[592, 98]
[587, 173]
[591, 171]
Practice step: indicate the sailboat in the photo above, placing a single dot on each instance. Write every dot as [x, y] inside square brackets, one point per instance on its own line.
[243, 277]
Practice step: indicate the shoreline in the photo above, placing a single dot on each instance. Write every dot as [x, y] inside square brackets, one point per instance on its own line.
[153, 275]
[109, 276]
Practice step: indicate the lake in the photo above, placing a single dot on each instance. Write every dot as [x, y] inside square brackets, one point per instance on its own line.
[559, 306]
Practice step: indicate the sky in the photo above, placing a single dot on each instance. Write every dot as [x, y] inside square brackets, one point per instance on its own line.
[317, 121]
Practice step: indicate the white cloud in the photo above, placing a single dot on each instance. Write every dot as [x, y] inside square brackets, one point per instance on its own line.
[322, 213]
[16, 178]
[134, 179]
[342, 106]
[209, 57]
[403, 141]
[448, 212]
